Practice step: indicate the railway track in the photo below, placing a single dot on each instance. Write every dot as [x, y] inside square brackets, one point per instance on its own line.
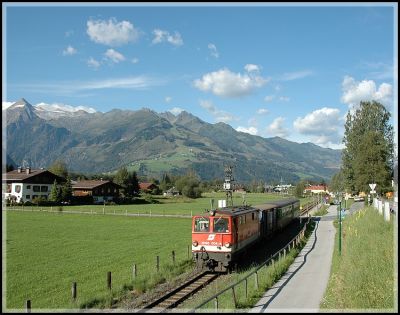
[179, 294]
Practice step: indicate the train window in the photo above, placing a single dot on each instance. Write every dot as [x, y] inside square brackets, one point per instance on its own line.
[201, 225]
[221, 225]
[252, 216]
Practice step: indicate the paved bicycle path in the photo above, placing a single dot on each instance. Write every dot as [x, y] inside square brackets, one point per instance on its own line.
[302, 287]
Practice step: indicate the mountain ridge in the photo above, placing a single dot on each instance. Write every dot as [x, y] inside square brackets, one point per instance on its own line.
[153, 143]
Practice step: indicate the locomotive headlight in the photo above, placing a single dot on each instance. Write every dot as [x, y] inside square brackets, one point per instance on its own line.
[227, 245]
[195, 243]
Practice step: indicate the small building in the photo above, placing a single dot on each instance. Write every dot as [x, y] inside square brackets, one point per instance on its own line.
[171, 192]
[27, 184]
[100, 190]
[316, 189]
[147, 187]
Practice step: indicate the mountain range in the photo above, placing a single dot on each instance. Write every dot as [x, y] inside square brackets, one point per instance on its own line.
[154, 143]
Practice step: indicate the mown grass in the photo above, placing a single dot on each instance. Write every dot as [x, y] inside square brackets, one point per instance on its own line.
[321, 211]
[267, 277]
[46, 252]
[178, 205]
[363, 276]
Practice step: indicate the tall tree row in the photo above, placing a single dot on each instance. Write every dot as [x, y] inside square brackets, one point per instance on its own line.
[368, 153]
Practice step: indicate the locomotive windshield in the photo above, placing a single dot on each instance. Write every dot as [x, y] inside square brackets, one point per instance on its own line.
[221, 225]
[201, 225]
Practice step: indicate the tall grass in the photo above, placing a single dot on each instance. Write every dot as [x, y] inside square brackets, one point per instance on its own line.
[363, 277]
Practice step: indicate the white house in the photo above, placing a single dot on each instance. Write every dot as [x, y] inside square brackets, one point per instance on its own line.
[23, 185]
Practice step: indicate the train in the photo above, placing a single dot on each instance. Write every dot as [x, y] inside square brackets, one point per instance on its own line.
[221, 236]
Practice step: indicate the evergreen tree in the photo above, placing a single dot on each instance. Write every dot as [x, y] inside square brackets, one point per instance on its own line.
[66, 190]
[55, 193]
[368, 153]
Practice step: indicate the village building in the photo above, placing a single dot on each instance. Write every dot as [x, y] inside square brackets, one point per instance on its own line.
[100, 190]
[27, 184]
[147, 187]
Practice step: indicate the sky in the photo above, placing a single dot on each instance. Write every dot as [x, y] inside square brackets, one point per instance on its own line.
[287, 70]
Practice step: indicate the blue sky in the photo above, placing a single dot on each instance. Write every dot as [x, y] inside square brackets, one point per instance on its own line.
[272, 70]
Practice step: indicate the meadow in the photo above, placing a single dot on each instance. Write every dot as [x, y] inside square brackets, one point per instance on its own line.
[177, 205]
[47, 251]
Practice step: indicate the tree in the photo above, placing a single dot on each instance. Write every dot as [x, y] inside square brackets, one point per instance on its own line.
[66, 190]
[165, 183]
[368, 153]
[299, 189]
[55, 193]
[189, 186]
[59, 168]
[128, 181]
[337, 182]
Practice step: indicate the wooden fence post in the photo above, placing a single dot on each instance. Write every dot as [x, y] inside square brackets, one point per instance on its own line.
[245, 287]
[234, 296]
[173, 257]
[28, 306]
[134, 271]
[74, 291]
[158, 263]
[216, 303]
[256, 280]
[109, 280]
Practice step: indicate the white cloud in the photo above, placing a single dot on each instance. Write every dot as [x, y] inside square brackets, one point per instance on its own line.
[289, 76]
[354, 92]
[75, 87]
[111, 32]
[176, 110]
[322, 124]
[219, 115]
[135, 60]
[69, 33]
[228, 84]
[164, 36]
[69, 51]
[251, 130]
[114, 55]
[269, 98]
[284, 99]
[252, 68]
[5, 105]
[168, 99]
[59, 107]
[276, 128]
[262, 111]
[93, 63]
[213, 50]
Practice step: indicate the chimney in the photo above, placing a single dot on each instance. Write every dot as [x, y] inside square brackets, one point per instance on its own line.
[28, 170]
[19, 169]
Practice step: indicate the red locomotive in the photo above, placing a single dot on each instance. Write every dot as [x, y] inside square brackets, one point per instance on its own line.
[222, 235]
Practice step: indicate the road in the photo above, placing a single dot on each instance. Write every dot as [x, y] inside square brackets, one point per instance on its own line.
[302, 287]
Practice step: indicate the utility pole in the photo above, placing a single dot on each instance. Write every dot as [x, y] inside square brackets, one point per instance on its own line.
[228, 184]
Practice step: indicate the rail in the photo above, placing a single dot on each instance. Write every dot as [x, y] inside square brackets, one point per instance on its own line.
[295, 241]
[308, 206]
[182, 292]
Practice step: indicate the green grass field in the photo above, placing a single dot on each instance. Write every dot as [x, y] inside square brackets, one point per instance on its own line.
[46, 252]
[363, 276]
[178, 205]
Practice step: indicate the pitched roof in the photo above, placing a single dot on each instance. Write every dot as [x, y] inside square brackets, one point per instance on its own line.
[91, 184]
[146, 185]
[316, 187]
[23, 175]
